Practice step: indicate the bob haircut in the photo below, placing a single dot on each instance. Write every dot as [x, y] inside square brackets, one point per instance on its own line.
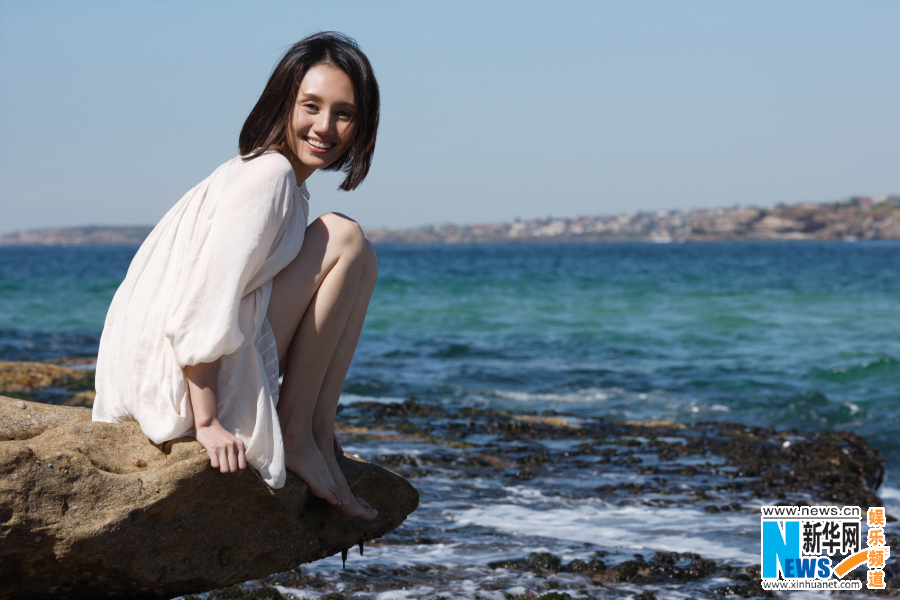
[267, 124]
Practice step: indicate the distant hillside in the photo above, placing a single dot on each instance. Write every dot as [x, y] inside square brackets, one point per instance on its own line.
[862, 217]
[78, 236]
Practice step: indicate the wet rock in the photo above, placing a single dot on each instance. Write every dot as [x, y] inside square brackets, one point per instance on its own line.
[407, 408]
[45, 382]
[544, 561]
[118, 515]
[750, 585]
[526, 427]
[85, 398]
[663, 567]
[631, 570]
[30, 376]
[238, 593]
[760, 462]
[529, 595]
[513, 564]
[593, 567]
[712, 508]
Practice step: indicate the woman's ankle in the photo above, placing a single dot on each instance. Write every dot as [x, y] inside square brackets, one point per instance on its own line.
[297, 439]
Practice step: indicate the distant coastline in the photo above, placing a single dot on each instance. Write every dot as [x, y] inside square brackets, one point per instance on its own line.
[78, 236]
[859, 218]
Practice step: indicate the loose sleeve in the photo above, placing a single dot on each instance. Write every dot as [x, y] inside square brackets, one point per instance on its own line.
[243, 216]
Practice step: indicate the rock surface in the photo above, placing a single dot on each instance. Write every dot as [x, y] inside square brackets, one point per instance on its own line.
[95, 509]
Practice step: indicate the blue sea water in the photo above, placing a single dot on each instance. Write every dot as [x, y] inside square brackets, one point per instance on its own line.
[787, 334]
[783, 334]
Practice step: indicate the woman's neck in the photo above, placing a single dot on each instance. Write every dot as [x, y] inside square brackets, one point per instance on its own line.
[301, 171]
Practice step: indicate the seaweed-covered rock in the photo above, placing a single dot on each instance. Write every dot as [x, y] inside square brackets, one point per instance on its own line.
[664, 566]
[95, 509]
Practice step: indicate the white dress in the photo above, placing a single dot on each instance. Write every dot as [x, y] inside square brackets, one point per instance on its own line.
[198, 290]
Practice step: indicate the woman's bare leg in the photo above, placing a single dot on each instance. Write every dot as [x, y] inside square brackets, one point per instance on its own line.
[312, 315]
[333, 382]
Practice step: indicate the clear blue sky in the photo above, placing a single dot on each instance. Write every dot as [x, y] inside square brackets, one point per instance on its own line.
[111, 111]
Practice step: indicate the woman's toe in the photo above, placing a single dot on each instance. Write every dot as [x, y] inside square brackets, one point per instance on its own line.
[341, 497]
[328, 496]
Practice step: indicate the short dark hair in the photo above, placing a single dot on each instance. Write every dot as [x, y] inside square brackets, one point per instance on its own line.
[267, 124]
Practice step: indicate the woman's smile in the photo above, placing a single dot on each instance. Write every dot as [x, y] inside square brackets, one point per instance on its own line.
[319, 145]
[321, 125]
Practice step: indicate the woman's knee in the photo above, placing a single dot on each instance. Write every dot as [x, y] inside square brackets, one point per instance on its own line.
[345, 233]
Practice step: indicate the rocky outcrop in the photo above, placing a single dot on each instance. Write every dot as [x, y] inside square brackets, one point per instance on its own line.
[47, 383]
[95, 509]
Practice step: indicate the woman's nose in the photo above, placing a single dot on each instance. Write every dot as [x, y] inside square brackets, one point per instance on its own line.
[326, 123]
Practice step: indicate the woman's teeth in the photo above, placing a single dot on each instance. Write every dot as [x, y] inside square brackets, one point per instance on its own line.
[321, 145]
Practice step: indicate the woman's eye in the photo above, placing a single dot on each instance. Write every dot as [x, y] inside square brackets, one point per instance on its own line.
[345, 114]
[309, 106]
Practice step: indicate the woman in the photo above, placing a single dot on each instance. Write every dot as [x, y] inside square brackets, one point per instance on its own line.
[233, 289]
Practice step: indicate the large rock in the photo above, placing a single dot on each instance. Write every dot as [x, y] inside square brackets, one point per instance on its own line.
[95, 509]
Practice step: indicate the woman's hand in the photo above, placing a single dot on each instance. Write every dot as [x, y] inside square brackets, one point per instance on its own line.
[226, 452]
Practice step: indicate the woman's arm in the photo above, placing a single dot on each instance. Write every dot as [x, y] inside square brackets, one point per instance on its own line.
[226, 452]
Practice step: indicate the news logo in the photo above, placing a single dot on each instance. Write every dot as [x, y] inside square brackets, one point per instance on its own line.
[815, 547]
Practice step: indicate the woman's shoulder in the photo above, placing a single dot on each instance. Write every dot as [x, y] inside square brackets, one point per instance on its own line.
[266, 167]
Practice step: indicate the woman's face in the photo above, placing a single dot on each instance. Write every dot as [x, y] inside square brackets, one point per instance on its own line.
[321, 128]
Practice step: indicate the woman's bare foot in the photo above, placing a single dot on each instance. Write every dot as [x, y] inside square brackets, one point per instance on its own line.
[357, 507]
[306, 460]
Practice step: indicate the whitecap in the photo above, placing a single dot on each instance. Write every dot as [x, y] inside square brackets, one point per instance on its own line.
[352, 398]
[626, 527]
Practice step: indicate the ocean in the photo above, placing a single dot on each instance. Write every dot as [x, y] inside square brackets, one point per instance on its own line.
[800, 335]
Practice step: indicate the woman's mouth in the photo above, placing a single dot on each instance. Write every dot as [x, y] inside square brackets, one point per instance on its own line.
[318, 146]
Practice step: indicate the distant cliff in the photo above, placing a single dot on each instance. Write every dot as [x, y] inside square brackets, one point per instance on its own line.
[861, 218]
[78, 236]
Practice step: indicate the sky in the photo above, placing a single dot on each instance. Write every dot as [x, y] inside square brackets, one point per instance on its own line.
[491, 110]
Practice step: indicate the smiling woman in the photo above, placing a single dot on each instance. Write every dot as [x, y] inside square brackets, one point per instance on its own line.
[234, 288]
[320, 127]
[308, 74]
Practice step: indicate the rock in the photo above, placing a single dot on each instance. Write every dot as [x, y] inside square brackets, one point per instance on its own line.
[85, 398]
[30, 376]
[47, 383]
[95, 509]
